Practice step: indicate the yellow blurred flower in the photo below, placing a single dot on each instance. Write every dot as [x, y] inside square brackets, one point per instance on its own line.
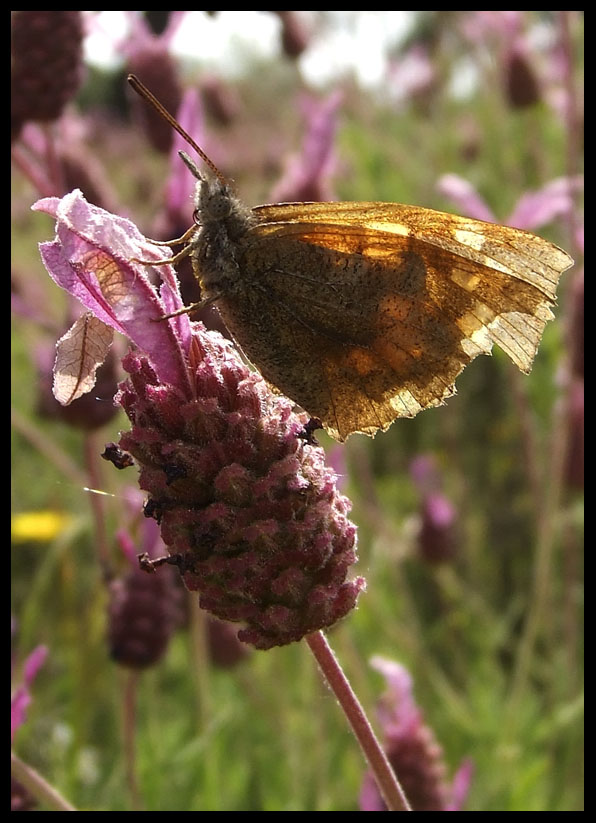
[38, 526]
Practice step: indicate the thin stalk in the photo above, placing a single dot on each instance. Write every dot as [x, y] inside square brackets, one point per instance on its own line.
[388, 784]
[38, 787]
[129, 725]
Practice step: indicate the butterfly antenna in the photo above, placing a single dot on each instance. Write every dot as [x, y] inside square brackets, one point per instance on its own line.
[144, 92]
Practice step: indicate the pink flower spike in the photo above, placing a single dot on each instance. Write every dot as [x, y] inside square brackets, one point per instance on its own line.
[181, 185]
[460, 786]
[465, 197]
[412, 750]
[34, 663]
[22, 696]
[247, 508]
[92, 259]
[537, 208]
[307, 174]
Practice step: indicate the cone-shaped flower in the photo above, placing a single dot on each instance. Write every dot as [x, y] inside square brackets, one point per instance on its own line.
[412, 750]
[21, 697]
[246, 505]
[46, 64]
[21, 800]
[144, 609]
[437, 534]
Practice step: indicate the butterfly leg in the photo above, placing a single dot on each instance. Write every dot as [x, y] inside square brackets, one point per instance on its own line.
[169, 260]
[178, 241]
[188, 309]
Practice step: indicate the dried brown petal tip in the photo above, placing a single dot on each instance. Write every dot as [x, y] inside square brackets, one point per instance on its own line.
[88, 411]
[114, 454]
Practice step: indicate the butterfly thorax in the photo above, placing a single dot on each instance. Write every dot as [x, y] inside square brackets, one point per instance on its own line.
[223, 222]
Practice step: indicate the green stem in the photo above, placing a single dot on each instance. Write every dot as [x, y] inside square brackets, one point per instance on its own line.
[129, 707]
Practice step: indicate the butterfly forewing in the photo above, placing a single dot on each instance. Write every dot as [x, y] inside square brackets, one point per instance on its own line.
[381, 306]
[516, 252]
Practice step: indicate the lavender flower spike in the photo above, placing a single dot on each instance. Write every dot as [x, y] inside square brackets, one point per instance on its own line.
[247, 507]
[412, 750]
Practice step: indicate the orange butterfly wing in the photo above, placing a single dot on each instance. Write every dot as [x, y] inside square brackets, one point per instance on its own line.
[365, 312]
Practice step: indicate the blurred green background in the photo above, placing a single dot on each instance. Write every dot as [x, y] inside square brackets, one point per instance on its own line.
[486, 610]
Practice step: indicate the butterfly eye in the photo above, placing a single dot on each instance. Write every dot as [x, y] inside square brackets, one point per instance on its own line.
[196, 218]
[217, 205]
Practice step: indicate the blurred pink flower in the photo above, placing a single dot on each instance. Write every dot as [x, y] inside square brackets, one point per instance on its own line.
[144, 609]
[532, 211]
[149, 56]
[533, 66]
[411, 75]
[307, 174]
[478, 26]
[437, 534]
[412, 750]
[424, 473]
[21, 697]
[180, 188]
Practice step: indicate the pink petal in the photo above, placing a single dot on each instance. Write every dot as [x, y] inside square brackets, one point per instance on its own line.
[465, 197]
[181, 184]
[34, 663]
[22, 697]
[461, 786]
[440, 510]
[91, 258]
[536, 209]
[18, 709]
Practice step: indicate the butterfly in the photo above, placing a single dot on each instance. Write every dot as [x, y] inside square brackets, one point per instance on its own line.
[362, 313]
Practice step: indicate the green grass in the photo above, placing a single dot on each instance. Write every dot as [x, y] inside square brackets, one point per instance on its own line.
[267, 734]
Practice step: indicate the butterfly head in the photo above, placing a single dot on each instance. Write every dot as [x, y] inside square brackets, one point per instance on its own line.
[215, 201]
[213, 197]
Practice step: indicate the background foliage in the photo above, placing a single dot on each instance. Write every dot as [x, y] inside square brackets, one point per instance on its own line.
[491, 630]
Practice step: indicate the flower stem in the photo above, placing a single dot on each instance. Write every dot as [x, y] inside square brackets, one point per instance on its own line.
[129, 705]
[38, 787]
[390, 789]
